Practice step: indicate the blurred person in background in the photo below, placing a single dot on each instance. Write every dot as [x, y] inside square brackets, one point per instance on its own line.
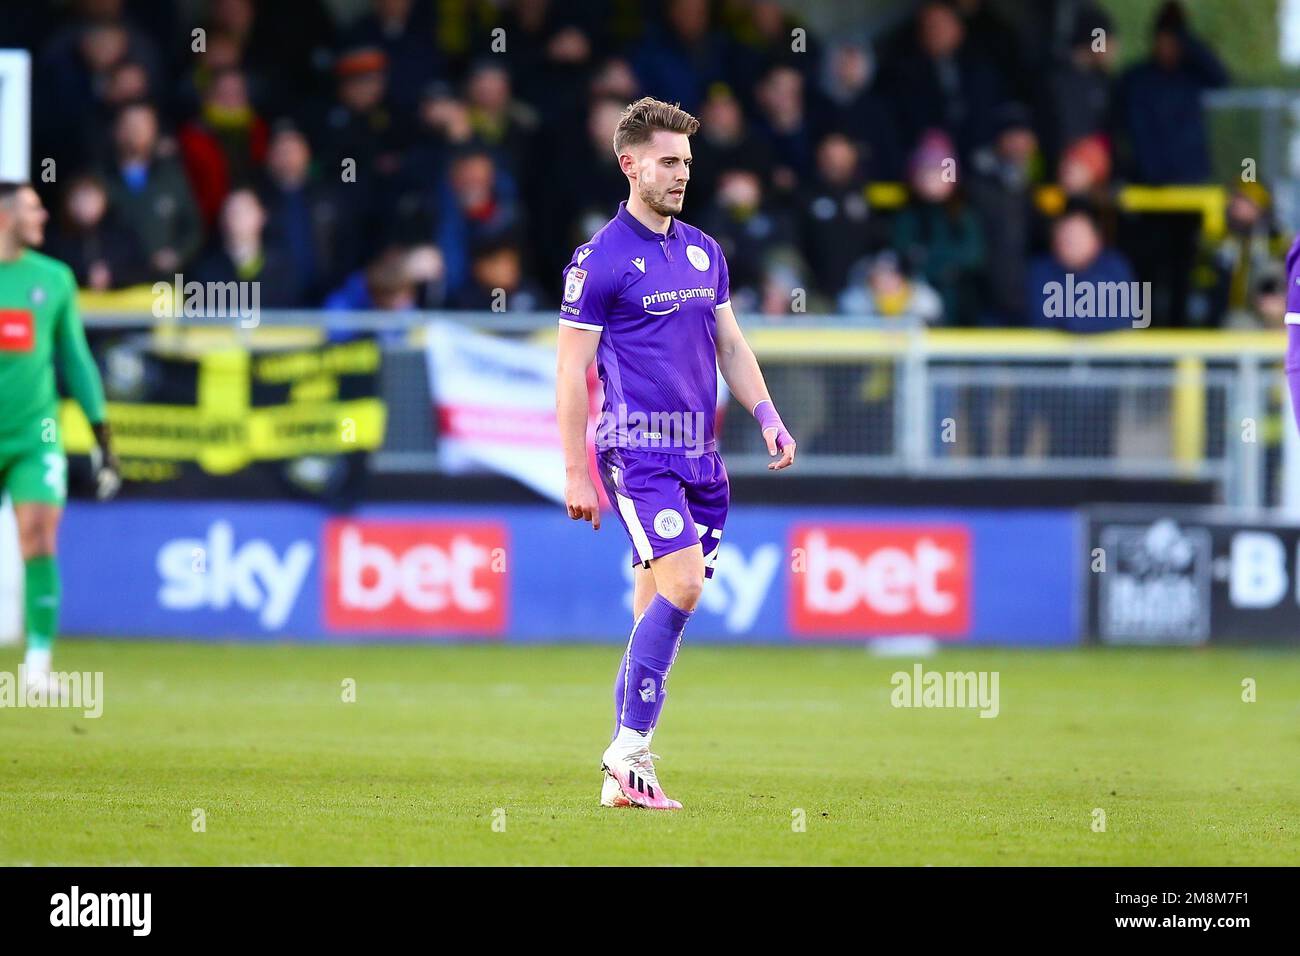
[1266, 306]
[499, 121]
[73, 71]
[1230, 268]
[748, 229]
[849, 103]
[1161, 107]
[315, 221]
[1079, 420]
[936, 234]
[398, 279]
[224, 147]
[879, 288]
[359, 126]
[552, 54]
[761, 33]
[785, 123]
[476, 199]
[1084, 176]
[149, 190]
[936, 80]
[581, 185]
[681, 55]
[1003, 178]
[403, 30]
[725, 141]
[497, 282]
[102, 252]
[42, 343]
[1164, 127]
[239, 253]
[1080, 90]
[1079, 252]
[836, 227]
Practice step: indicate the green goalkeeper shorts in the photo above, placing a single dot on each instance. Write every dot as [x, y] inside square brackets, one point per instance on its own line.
[35, 473]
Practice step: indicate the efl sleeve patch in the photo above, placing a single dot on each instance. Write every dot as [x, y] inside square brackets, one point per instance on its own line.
[573, 284]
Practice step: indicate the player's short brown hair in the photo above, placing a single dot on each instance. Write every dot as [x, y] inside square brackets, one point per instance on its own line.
[640, 120]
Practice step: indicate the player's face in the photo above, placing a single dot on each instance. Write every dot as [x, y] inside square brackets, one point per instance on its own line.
[29, 217]
[663, 169]
[23, 218]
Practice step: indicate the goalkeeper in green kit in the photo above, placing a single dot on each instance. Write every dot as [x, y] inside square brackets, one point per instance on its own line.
[39, 332]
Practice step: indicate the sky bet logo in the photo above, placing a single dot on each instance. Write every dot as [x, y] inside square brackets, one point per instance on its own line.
[420, 577]
[218, 572]
[862, 580]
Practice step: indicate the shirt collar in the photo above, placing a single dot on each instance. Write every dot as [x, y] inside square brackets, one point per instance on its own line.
[641, 229]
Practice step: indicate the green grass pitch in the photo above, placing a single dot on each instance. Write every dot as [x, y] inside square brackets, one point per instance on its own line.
[443, 742]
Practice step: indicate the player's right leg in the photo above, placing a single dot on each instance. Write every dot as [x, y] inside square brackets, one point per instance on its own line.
[643, 590]
[646, 490]
[36, 482]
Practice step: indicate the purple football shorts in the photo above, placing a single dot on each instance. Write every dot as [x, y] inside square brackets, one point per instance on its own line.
[667, 502]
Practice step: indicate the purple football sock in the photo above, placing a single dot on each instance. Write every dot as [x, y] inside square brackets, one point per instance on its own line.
[1293, 367]
[618, 687]
[649, 658]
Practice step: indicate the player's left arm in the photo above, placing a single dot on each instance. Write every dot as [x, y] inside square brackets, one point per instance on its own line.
[739, 368]
[81, 375]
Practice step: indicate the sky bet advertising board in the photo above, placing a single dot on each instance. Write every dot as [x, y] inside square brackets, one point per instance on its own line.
[527, 573]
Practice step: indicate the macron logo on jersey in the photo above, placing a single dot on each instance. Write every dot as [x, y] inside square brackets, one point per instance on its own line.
[639, 263]
[583, 253]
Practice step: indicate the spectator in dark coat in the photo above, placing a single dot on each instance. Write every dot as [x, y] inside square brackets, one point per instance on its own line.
[1083, 287]
[950, 85]
[1164, 123]
[148, 189]
[1079, 94]
[497, 282]
[679, 59]
[240, 254]
[1081, 262]
[1163, 115]
[748, 228]
[1001, 185]
[315, 221]
[102, 252]
[403, 30]
[848, 103]
[936, 233]
[725, 141]
[835, 223]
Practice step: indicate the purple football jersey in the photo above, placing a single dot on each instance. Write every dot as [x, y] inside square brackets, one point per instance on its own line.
[1293, 283]
[651, 297]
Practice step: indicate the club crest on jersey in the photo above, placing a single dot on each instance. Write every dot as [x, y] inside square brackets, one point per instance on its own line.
[573, 284]
[668, 523]
[38, 295]
[698, 258]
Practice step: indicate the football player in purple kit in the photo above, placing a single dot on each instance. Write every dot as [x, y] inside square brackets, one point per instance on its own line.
[647, 299]
[1292, 365]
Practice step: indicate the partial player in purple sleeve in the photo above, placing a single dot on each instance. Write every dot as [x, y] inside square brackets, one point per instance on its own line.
[1293, 325]
[647, 298]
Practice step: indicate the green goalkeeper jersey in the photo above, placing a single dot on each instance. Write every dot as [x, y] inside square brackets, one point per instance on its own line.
[39, 331]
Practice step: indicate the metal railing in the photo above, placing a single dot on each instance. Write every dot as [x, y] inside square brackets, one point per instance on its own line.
[902, 399]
